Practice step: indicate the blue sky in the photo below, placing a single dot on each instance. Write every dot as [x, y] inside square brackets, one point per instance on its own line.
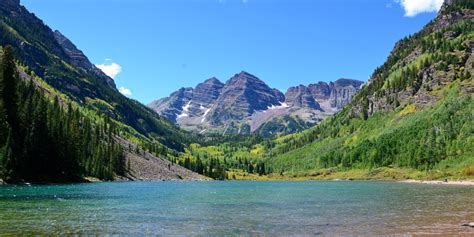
[157, 46]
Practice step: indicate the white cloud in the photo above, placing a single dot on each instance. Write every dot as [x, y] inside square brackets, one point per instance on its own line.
[415, 7]
[125, 91]
[110, 69]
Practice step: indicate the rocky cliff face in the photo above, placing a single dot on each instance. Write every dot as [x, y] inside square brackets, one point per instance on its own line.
[78, 59]
[41, 38]
[335, 95]
[245, 104]
[188, 104]
[242, 95]
[171, 107]
[301, 97]
[57, 61]
[424, 65]
[342, 91]
[320, 91]
[206, 93]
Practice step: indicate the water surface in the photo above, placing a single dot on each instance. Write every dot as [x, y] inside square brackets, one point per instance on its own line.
[237, 208]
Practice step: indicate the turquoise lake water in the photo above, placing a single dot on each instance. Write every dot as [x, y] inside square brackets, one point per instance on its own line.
[237, 208]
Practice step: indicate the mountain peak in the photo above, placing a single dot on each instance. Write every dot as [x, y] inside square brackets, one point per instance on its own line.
[244, 80]
[79, 59]
[245, 100]
[213, 80]
[348, 82]
[245, 75]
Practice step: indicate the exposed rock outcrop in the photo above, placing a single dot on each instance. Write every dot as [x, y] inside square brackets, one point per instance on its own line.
[206, 93]
[244, 103]
[301, 97]
[78, 59]
[242, 95]
[335, 95]
[172, 107]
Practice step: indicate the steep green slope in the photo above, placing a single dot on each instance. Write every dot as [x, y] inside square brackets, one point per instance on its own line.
[442, 133]
[45, 138]
[53, 58]
[283, 125]
[416, 111]
[414, 119]
[84, 101]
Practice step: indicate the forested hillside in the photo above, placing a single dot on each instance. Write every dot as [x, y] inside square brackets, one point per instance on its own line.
[66, 116]
[62, 119]
[45, 138]
[55, 59]
[416, 111]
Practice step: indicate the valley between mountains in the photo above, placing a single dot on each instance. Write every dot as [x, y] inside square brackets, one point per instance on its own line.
[63, 120]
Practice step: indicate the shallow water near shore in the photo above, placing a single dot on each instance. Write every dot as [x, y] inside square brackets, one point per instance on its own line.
[237, 208]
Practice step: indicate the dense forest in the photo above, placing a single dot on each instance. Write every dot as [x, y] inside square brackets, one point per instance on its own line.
[45, 139]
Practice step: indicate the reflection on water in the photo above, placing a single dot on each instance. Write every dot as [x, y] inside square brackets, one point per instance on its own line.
[237, 208]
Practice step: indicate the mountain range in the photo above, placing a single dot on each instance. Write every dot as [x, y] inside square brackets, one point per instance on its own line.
[245, 104]
[62, 119]
[63, 74]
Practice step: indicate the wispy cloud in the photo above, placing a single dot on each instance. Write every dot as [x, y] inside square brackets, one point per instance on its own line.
[125, 91]
[415, 7]
[110, 68]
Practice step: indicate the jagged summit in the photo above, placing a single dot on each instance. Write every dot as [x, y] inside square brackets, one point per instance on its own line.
[56, 60]
[78, 59]
[212, 80]
[244, 77]
[246, 103]
[348, 82]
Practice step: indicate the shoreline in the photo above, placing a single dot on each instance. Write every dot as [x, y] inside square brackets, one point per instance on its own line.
[439, 182]
[406, 181]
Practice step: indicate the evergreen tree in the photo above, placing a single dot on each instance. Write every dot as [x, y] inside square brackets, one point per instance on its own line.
[10, 103]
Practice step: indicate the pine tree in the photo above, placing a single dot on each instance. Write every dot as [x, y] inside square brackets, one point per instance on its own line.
[10, 103]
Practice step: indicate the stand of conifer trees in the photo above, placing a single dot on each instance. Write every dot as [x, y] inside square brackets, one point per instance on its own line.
[44, 139]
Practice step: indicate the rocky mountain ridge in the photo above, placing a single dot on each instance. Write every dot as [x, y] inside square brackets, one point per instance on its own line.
[60, 72]
[245, 104]
[54, 58]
